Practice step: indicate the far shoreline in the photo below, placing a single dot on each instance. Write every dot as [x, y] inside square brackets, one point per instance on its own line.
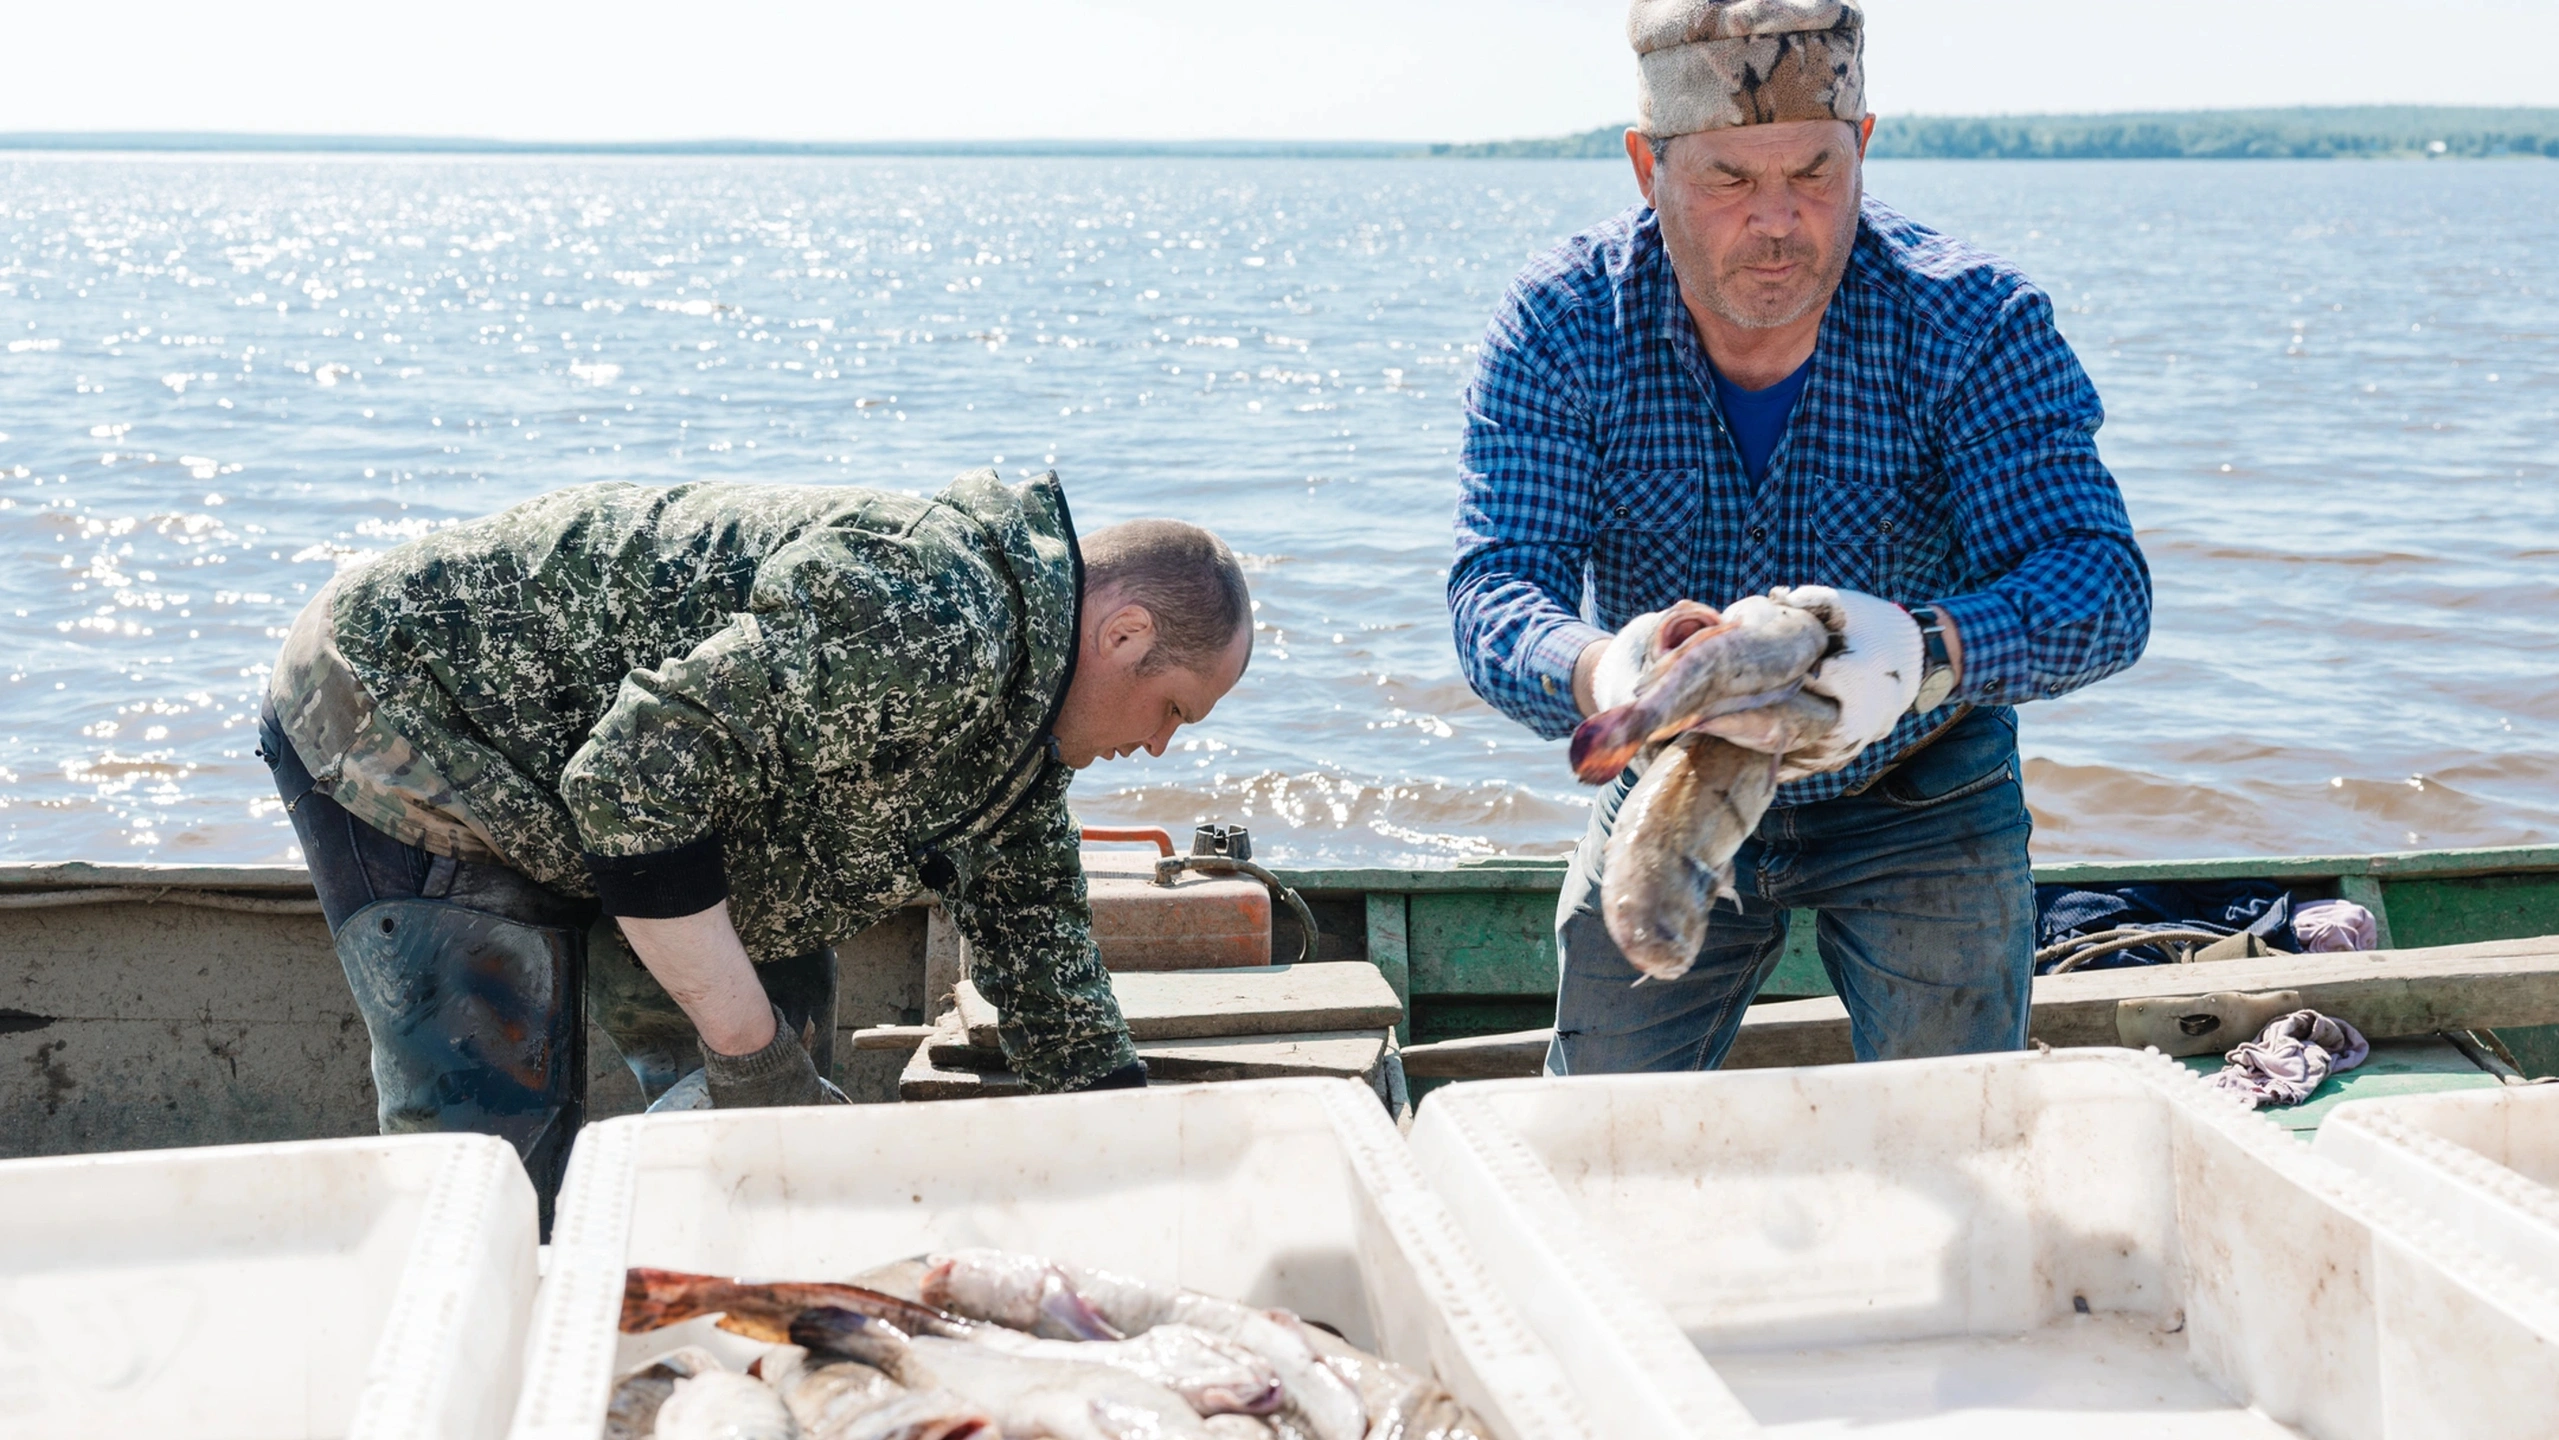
[2371, 132]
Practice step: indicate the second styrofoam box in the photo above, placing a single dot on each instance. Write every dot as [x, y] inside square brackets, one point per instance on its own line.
[1293, 1193]
[377, 1289]
[1985, 1246]
[2482, 1163]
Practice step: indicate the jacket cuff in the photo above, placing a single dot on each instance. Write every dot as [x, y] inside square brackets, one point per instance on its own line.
[1548, 665]
[1996, 663]
[663, 885]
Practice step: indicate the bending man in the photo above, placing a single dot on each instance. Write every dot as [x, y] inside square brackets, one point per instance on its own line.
[744, 722]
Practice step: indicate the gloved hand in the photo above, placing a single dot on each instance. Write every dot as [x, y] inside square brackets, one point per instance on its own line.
[779, 1074]
[1131, 1076]
[1874, 676]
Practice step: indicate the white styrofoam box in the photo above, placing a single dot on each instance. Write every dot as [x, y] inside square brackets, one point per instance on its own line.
[2089, 1243]
[1293, 1193]
[377, 1289]
[2484, 1163]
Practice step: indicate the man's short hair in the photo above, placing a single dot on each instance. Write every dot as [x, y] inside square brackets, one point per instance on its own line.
[1185, 577]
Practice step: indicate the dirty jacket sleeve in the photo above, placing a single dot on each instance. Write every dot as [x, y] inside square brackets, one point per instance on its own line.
[1031, 952]
[843, 661]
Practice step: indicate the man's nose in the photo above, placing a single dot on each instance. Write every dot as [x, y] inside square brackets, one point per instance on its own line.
[1772, 208]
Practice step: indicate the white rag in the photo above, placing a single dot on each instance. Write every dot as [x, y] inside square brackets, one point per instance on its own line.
[2286, 1062]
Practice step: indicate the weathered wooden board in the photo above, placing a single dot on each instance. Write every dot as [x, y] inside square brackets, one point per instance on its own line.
[924, 1080]
[1264, 1000]
[945, 1067]
[1349, 1054]
[1481, 1057]
[2383, 993]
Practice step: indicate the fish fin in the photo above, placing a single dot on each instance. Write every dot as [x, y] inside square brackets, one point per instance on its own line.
[1603, 744]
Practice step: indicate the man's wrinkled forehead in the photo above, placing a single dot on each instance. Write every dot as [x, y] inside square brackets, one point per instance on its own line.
[1752, 152]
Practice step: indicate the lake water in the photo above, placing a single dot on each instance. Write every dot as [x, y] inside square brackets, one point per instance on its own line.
[2333, 393]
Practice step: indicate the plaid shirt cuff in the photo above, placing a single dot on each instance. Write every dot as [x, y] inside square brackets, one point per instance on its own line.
[1546, 675]
[1996, 665]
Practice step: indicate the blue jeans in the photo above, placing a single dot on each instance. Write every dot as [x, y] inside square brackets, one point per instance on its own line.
[1926, 907]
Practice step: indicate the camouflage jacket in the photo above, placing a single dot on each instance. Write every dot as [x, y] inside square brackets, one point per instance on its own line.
[825, 700]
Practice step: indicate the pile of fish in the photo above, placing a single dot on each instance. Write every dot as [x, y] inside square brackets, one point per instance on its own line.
[992, 1345]
[1720, 702]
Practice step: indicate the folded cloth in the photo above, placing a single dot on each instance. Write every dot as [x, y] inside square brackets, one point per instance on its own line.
[2220, 907]
[2331, 925]
[2289, 1059]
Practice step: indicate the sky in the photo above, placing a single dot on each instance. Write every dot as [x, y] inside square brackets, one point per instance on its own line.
[1174, 69]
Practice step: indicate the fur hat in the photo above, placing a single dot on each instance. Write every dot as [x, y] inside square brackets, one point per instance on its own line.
[1711, 64]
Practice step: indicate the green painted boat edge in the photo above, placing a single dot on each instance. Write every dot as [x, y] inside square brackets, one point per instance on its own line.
[1470, 947]
[1547, 873]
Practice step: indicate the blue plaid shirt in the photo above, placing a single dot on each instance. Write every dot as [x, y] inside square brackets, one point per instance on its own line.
[1944, 452]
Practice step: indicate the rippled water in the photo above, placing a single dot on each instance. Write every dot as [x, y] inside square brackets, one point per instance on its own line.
[2333, 391]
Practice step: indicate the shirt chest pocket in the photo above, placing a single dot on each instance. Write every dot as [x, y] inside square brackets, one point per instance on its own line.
[1879, 539]
[1644, 540]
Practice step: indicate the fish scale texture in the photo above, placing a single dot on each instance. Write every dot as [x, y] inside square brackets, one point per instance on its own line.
[836, 683]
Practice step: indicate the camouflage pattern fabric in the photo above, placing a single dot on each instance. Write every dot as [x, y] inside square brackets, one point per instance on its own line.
[375, 775]
[851, 689]
[1713, 64]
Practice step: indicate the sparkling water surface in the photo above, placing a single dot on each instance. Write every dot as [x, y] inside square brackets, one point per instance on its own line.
[2333, 393]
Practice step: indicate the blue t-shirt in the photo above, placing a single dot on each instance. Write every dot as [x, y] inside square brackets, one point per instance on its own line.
[1757, 418]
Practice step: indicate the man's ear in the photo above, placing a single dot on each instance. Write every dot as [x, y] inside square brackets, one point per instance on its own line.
[1130, 624]
[1639, 150]
[1865, 133]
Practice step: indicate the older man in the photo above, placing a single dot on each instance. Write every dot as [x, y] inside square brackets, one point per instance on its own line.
[742, 722]
[1760, 378]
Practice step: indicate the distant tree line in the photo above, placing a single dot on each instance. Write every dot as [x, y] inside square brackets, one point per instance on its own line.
[2343, 133]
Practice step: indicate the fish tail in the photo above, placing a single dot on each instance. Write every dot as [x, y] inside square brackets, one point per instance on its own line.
[654, 1299]
[1607, 741]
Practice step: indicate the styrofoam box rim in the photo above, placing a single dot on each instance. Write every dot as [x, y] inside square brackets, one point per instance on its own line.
[569, 1358]
[2392, 1143]
[441, 1369]
[1514, 1209]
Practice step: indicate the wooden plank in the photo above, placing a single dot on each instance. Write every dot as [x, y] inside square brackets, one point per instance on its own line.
[2384, 994]
[1483, 944]
[1390, 950]
[1349, 1054]
[889, 1037]
[924, 1080]
[1483, 1057]
[293, 880]
[1267, 1000]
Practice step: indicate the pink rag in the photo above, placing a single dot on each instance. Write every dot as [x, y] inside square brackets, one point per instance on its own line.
[2286, 1062]
[2329, 925]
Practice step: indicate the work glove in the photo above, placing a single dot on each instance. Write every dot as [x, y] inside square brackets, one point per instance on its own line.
[1131, 1076]
[779, 1074]
[1873, 675]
